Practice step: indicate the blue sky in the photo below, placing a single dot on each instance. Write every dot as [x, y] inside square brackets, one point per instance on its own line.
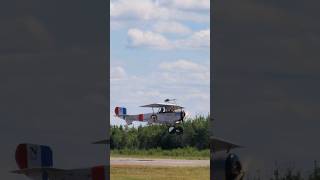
[160, 49]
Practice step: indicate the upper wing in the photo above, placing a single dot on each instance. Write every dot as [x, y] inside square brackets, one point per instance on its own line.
[159, 105]
[221, 145]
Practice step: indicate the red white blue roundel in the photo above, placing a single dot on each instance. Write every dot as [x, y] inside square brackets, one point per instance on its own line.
[33, 156]
[120, 111]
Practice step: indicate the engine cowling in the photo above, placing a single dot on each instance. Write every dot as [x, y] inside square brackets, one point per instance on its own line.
[226, 167]
[182, 115]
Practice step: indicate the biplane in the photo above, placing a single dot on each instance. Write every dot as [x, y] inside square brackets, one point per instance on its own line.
[168, 113]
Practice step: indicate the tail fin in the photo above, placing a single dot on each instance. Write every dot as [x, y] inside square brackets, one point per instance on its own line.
[33, 156]
[120, 111]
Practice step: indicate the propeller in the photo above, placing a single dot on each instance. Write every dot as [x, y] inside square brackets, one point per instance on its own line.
[169, 100]
[182, 115]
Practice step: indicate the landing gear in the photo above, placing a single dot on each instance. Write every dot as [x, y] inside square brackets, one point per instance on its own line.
[172, 130]
[177, 130]
[154, 118]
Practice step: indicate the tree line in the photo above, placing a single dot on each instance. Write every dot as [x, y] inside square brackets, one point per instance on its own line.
[196, 135]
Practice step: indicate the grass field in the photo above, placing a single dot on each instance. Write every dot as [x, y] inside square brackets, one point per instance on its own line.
[183, 153]
[128, 172]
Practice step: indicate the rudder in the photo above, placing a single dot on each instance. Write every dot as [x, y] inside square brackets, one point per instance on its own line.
[120, 111]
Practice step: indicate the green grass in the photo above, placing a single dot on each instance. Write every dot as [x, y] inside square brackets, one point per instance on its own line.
[180, 153]
[130, 172]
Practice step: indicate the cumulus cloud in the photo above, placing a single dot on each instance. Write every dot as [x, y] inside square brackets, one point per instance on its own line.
[148, 10]
[187, 4]
[185, 72]
[182, 65]
[138, 38]
[139, 9]
[150, 39]
[117, 73]
[200, 39]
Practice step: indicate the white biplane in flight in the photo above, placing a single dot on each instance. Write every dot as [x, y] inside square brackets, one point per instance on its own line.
[168, 113]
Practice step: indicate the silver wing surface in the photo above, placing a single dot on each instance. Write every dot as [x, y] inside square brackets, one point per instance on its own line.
[160, 105]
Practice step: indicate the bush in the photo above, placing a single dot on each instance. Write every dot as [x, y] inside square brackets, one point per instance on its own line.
[196, 135]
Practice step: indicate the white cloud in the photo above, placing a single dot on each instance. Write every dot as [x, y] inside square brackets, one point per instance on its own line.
[187, 4]
[182, 65]
[138, 38]
[185, 72]
[149, 39]
[200, 39]
[129, 9]
[116, 25]
[117, 73]
[171, 27]
[150, 10]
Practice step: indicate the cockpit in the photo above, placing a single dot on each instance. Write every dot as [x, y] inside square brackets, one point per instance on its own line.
[166, 109]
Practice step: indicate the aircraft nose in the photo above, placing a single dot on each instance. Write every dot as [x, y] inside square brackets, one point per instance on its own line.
[183, 114]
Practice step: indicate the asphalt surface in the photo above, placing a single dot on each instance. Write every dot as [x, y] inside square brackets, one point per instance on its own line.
[160, 162]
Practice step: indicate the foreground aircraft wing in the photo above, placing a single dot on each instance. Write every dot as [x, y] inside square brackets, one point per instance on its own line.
[93, 173]
[37, 170]
[36, 162]
[222, 145]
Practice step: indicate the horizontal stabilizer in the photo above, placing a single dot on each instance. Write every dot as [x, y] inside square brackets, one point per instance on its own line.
[222, 145]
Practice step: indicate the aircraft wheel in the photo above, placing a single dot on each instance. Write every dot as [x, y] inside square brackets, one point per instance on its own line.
[154, 117]
[172, 130]
[179, 130]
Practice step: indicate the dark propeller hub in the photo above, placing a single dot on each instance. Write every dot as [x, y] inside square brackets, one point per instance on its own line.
[233, 167]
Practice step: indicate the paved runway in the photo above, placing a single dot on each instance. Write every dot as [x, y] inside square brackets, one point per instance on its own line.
[159, 162]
